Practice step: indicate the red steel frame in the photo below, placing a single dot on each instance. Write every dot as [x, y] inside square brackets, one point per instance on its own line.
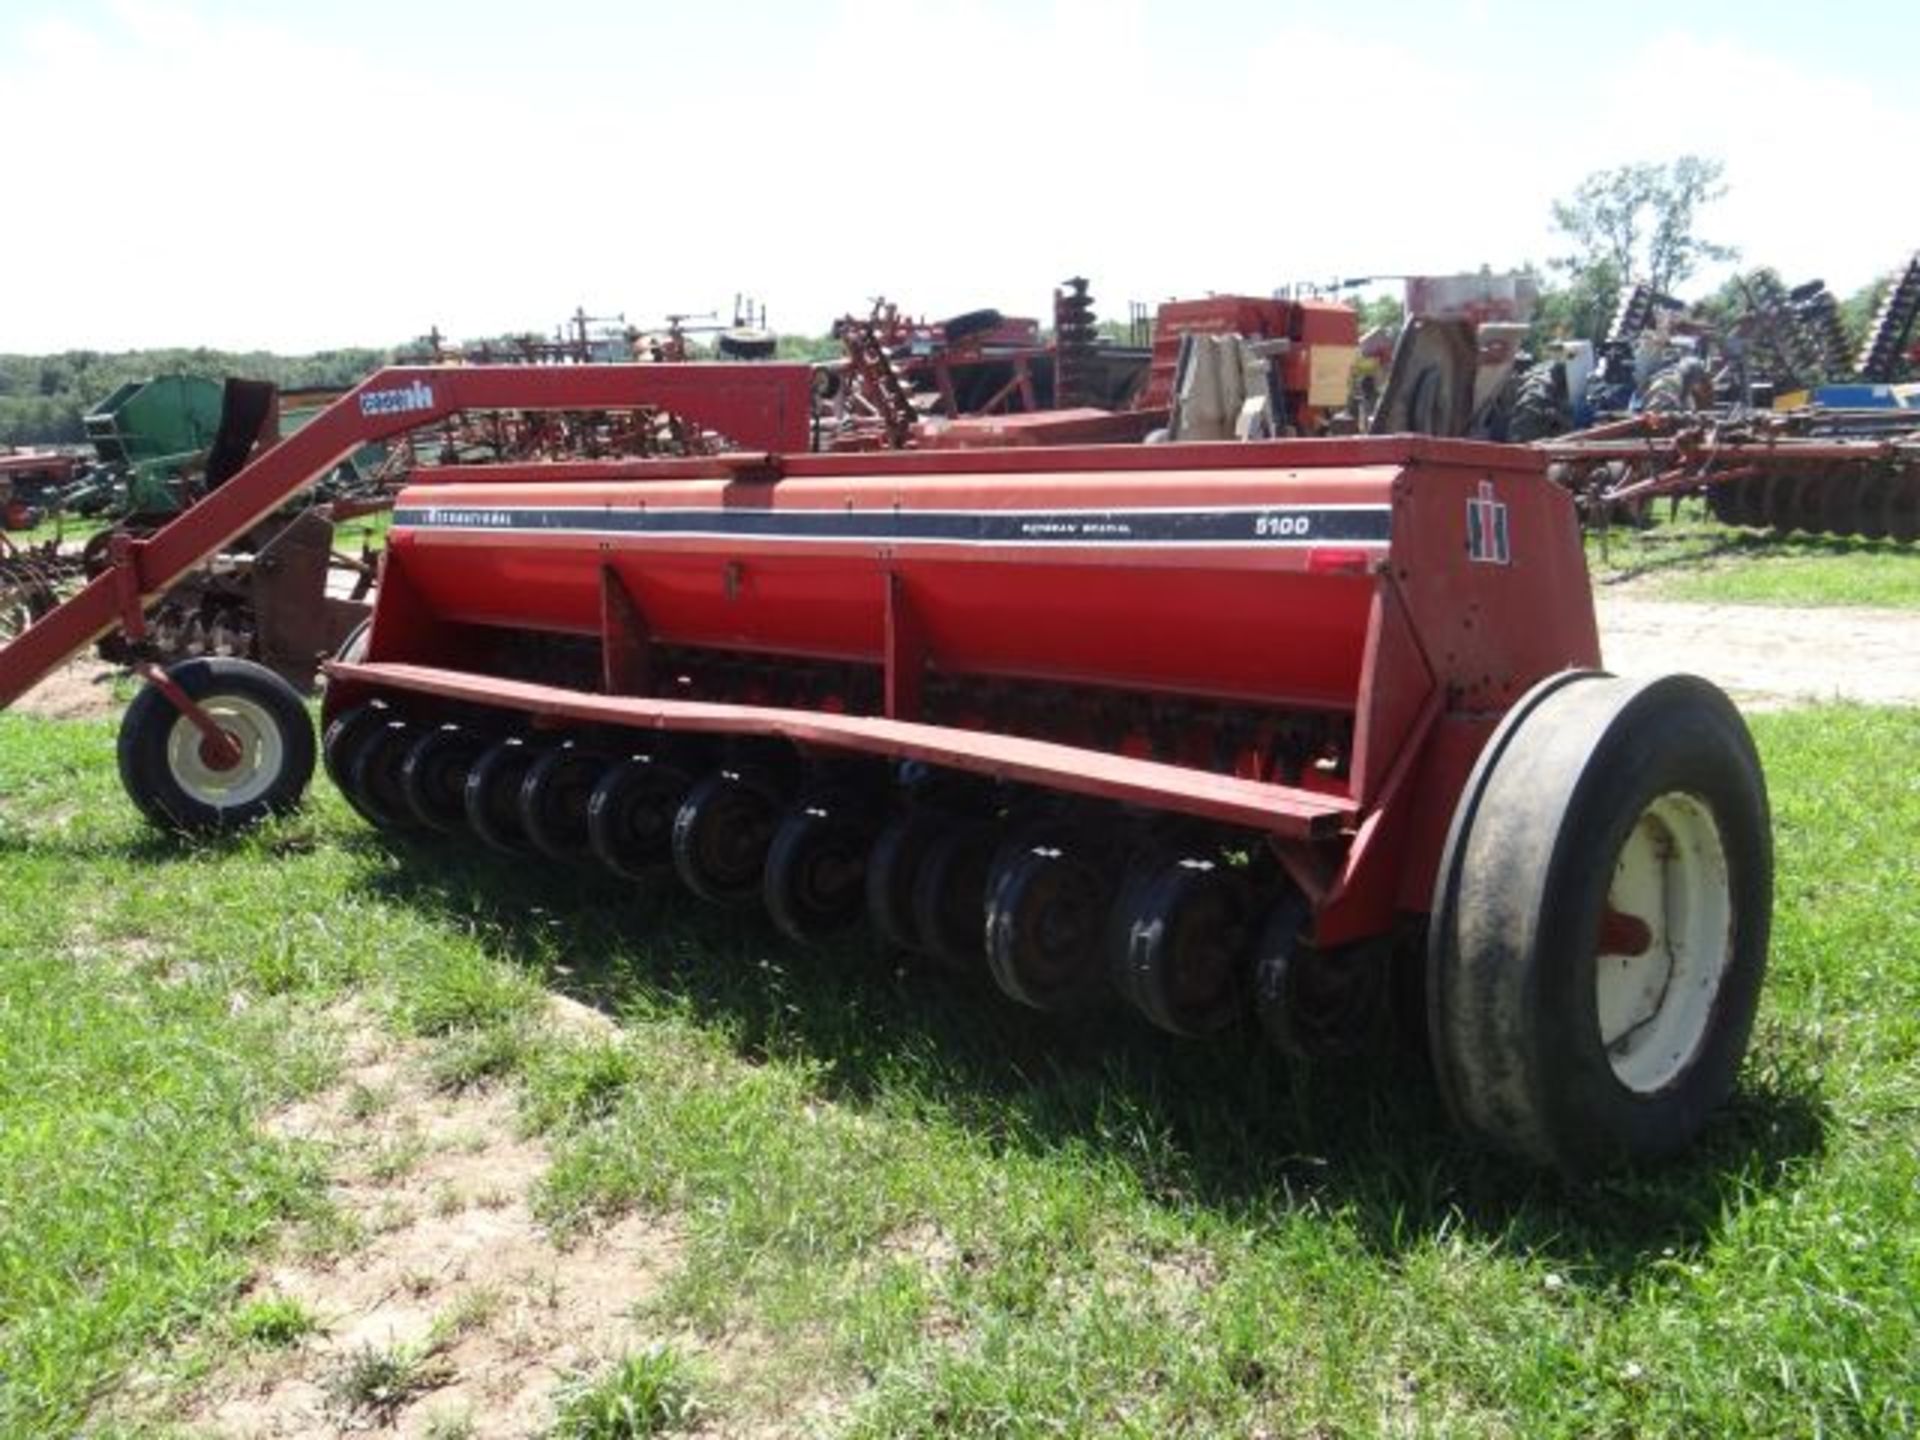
[1443, 646]
[757, 406]
[1446, 644]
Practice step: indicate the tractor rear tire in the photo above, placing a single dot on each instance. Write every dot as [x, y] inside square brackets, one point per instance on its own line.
[164, 767]
[1539, 405]
[1600, 925]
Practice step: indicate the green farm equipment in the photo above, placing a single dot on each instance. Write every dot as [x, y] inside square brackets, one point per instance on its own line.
[148, 435]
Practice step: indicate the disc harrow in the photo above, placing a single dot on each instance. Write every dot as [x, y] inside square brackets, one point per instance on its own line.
[1845, 474]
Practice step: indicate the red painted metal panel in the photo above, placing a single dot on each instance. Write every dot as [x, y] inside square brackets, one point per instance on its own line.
[1255, 622]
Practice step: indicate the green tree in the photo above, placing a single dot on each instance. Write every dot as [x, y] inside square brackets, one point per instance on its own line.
[1634, 222]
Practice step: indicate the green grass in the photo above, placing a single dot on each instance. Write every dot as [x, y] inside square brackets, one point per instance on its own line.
[1689, 556]
[72, 530]
[275, 1321]
[648, 1393]
[351, 535]
[932, 1211]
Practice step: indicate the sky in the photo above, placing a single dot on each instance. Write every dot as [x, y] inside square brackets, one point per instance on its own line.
[255, 174]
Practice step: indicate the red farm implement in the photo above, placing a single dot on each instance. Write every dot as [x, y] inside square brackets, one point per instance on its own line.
[1854, 474]
[1209, 729]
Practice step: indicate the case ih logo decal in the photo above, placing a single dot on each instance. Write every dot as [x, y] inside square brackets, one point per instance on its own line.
[404, 401]
[1487, 528]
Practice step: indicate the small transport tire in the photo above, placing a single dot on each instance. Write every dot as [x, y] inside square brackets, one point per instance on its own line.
[433, 776]
[553, 800]
[1179, 944]
[1047, 907]
[630, 815]
[163, 762]
[721, 835]
[492, 796]
[815, 879]
[1601, 918]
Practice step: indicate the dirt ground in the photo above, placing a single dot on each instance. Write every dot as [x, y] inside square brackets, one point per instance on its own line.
[81, 689]
[454, 1268]
[1767, 656]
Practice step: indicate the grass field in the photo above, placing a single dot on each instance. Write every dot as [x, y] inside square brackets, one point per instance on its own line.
[1689, 556]
[940, 1213]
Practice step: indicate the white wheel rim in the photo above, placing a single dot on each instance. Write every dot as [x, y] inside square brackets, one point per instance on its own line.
[261, 753]
[1656, 980]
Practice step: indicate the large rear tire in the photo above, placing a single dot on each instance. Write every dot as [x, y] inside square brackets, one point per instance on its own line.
[1601, 921]
[172, 775]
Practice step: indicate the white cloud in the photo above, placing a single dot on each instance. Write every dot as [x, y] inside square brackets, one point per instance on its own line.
[292, 183]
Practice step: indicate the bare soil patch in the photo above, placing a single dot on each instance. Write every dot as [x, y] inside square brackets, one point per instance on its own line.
[454, 1267]
[1768, 656]
[82, 689]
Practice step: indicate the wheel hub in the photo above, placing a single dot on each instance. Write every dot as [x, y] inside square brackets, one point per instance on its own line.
[234, 774]
[1665, 942]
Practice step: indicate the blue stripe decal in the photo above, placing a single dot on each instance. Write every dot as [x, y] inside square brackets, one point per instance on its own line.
[1280, 524]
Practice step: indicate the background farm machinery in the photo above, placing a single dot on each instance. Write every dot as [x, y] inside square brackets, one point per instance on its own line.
[1770, 413]
[277, 593]
[1201, 369]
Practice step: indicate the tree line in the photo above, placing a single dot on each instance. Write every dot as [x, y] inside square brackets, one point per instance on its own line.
[43, 397]
[1634, 223]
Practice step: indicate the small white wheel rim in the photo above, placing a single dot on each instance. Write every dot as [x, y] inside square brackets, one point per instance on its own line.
[1656, 981]
[252, 727]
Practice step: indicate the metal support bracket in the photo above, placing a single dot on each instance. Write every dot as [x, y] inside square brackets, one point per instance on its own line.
[625, 646]
[218, 749]
[906, 660]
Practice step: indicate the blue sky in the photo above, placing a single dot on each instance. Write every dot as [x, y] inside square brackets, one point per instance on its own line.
[295, 176]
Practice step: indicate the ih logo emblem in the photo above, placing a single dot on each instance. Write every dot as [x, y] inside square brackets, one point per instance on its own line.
[1487, 528]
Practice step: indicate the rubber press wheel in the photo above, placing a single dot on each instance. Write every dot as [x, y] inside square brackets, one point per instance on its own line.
[721, 836]
[553, 800]
[892, 869]
[1601, 921]
[1179, 940]
[345, 734]
[950, 896]
[179, 782]
[492, 797]
[1046, 914]
[433, 776]
[814, 883]
[375, 779]
[630, 815]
